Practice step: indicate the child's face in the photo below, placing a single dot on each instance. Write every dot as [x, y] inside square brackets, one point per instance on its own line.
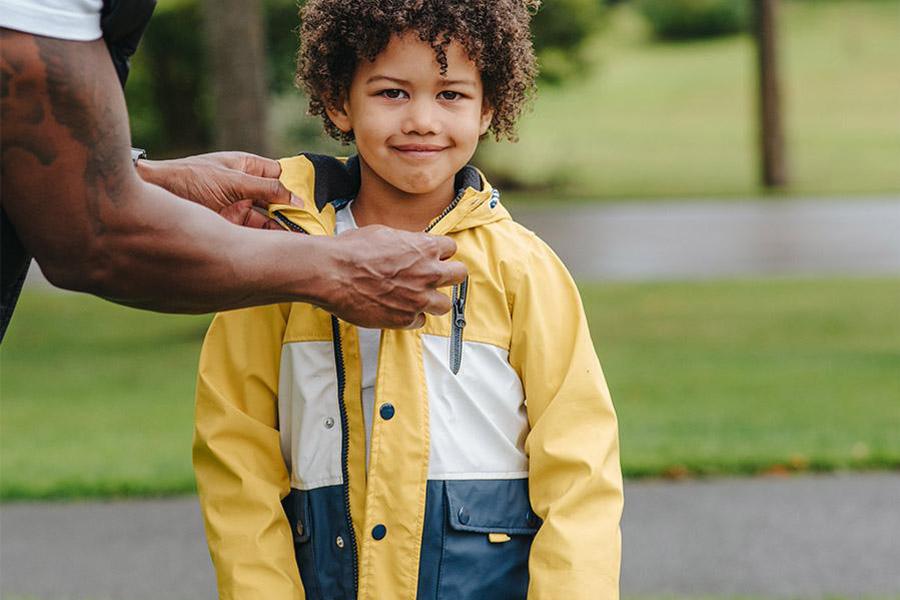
[413, 127]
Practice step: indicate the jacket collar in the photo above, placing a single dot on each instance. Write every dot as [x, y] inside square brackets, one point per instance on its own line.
[325, 184]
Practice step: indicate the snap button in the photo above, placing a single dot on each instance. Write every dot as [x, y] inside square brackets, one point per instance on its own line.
[329, 423]
[339, 542]
[379, 531]
[463, 515]
[386, 411]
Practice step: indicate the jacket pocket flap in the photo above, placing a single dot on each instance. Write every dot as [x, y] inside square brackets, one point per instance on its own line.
[491, 506]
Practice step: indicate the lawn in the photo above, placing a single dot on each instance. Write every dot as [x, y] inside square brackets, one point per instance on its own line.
[677, 119]
[726, 377]
[752, 376]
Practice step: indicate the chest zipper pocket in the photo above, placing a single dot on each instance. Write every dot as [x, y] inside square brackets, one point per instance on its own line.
[458, 323]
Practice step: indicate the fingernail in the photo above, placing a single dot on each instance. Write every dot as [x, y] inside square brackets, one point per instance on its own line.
[296, 201]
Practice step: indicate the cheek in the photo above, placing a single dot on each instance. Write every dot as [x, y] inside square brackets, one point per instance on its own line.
[468, 131]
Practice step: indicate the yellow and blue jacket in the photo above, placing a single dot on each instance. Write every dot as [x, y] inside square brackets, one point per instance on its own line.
[494, 462]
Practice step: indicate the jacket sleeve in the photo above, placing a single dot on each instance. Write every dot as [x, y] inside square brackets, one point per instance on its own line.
[241, 475]
[575, 480]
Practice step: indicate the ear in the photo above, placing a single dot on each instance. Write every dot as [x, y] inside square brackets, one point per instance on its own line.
[487, 115]
[340, 116]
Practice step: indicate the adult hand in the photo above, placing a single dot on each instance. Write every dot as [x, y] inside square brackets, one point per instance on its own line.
[382, 277]
[230, 183]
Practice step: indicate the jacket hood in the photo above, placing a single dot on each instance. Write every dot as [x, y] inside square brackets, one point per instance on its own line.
[325, 184]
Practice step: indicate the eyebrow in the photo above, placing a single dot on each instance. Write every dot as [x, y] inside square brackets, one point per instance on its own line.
[454, 82]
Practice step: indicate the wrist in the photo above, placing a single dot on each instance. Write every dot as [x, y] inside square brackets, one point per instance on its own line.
[320, 284]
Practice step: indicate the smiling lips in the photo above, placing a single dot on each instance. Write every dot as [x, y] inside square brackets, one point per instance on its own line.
[419, 150]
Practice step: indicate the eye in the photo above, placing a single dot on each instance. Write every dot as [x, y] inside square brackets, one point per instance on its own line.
[393, 94]
[449, 95]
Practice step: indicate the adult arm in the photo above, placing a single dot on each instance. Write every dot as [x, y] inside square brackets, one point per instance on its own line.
[70, 190]
[575, 481]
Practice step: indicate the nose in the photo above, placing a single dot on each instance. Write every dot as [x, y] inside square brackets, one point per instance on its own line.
[422, 117]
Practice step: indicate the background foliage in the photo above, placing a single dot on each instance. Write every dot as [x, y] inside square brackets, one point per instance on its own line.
[169, 90]
[694, 19]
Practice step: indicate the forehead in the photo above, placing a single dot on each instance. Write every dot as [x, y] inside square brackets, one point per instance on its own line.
[407, 57]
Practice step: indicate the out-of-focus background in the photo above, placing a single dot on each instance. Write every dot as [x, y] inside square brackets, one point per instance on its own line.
[745, 305]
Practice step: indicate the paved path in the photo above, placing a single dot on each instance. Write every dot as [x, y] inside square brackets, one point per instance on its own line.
[708, 238]
[803, 537]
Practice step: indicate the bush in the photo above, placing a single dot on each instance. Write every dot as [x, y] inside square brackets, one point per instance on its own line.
[694, 19]
[560, 29]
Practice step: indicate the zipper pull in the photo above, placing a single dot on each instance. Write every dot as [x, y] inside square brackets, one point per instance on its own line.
[457, 324]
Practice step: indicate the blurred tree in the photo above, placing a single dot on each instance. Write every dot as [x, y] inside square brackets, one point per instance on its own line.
[561, 28]
[236, 54]
[688, 19]
[168, 103]
[771, 133]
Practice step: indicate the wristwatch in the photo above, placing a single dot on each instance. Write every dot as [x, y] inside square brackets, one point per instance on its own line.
[137, 154]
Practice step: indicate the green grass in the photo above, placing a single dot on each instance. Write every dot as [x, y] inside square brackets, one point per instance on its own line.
[678, 119]
[727, 377]
[743, 377]
[96, 399]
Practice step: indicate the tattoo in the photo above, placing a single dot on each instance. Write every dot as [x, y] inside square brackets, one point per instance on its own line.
[61, 101]
[17, 108]
[86, 104]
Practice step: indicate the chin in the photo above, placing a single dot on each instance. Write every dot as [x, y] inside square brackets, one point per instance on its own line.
[419, 185]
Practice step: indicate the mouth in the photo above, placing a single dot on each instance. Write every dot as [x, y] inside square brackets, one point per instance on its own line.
[418, 151]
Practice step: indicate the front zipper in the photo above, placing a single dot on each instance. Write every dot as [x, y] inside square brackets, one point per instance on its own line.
[345, 429]
[446, 211]
[458, 298]
[458, 323]
[345, 443]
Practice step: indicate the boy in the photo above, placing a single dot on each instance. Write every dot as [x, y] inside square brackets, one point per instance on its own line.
[475, 458]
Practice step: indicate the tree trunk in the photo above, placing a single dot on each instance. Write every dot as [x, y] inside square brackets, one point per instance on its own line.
[235, 37]
[771, 134]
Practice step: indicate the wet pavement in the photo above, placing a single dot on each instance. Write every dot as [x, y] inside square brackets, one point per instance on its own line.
[806, 536]
[708, 239]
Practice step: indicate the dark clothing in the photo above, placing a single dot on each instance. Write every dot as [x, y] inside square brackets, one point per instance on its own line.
[123, 23]
[14, 267]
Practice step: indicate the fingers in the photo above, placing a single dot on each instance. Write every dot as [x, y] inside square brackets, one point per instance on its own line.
[437, 304]
[243, 213]
[417, 323]
[261, 167]
[446, 246]
[247, 163]
[263, 191]
[452, 272]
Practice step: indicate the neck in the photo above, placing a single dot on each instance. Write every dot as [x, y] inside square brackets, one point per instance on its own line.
[380, 203]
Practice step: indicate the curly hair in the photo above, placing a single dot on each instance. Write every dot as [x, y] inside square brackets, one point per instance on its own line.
[336, 34]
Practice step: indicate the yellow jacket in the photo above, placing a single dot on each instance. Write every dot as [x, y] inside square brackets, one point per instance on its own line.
[494, 463]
